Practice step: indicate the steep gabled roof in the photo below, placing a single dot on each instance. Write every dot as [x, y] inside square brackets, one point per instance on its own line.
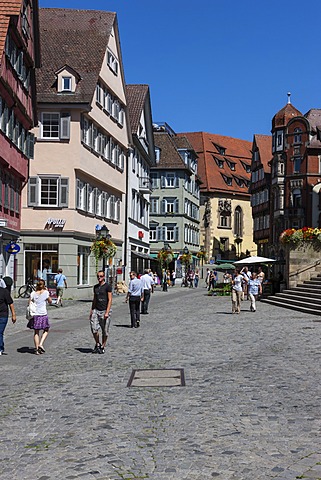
[264, 145]
[77, 38]
[7, 8]
[136, 98]
[169, 156]
[217, 169]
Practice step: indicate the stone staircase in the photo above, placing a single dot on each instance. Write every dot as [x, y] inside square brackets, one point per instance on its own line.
[305, 297]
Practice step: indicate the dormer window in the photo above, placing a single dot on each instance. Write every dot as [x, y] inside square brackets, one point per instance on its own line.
[66, 84]
[219, 162]
[219, 148]
[230, 164]
[227, 180]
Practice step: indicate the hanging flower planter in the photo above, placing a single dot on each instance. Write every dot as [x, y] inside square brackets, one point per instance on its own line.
[301, 237]
[103, 248]
[185, 259]
[165, 257]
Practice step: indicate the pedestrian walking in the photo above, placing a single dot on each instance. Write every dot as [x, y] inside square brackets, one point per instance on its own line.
[207, 277]
[260, 274]
[237, 291]
[164, 280]
[196, 278]
[40, 297]
[99, 315]
[173, 278]
[254, 289]
[6, 303]
[60, 281]
[135, 295]
[246, 275]
[148, 289]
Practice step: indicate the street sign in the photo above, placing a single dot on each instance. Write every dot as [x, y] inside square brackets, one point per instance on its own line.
[12, 248]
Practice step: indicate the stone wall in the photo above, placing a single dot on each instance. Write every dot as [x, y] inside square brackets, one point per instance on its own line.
[301, 264]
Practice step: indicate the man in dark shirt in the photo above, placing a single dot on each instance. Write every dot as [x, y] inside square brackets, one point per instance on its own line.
[6, 302]
[100, 312]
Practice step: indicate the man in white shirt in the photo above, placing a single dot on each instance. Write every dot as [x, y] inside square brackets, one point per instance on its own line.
[148, 288]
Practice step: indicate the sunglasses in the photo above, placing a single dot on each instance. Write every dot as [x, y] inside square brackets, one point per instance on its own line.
[100, 276]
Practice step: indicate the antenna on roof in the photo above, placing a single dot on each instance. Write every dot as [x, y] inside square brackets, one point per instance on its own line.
[289, 97]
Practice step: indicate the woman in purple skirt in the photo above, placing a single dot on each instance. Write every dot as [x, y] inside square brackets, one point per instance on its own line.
[40, 321]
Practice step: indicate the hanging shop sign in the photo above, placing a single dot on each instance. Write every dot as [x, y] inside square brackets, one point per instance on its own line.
[12, 248]
[53, 223]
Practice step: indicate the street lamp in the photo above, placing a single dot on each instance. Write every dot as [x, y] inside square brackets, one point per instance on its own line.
[103, 233]
[202, 248]
[238, 240]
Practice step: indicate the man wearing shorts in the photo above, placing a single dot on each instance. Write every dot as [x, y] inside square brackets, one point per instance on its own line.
[60, 282]
[100, 312]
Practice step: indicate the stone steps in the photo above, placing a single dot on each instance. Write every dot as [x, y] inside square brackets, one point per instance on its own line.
[305, 297]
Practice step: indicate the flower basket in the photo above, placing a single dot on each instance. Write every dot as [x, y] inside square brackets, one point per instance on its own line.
[201, 255]
[185, 259]
[103, 248]
[301, 237]
[164, 257]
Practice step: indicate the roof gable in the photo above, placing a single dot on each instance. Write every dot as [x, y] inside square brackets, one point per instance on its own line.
[222, 172]
[77, 38]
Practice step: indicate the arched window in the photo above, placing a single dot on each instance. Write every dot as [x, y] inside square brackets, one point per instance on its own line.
[297, 135]
[238, 221]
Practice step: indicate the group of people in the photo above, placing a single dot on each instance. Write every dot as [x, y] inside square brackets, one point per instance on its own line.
[211, 279]
[39, 298]
[138, 296]
[246, 283]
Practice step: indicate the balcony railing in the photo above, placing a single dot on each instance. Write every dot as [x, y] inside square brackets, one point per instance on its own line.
[145, 184]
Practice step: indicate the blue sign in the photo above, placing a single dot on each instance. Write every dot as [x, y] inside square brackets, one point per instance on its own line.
[12, 248]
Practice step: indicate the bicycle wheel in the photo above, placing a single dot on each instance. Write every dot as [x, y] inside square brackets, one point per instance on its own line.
[24, 291]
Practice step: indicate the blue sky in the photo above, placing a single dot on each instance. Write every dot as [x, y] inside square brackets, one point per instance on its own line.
[219, 66]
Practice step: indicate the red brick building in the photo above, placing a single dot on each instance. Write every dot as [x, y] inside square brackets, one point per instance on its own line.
[295, 171]
[19, 56]
[260, 191]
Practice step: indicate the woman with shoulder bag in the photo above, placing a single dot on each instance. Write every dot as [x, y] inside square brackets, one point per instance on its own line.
[237, 291]
[40, 320]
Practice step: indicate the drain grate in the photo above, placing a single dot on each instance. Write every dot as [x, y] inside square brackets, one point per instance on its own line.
[167, 377]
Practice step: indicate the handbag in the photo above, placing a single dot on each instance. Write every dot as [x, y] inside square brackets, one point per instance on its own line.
[31, 310]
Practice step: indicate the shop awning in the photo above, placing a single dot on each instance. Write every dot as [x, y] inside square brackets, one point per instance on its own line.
[147, 256]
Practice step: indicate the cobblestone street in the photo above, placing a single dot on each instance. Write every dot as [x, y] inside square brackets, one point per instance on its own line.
[250, 408]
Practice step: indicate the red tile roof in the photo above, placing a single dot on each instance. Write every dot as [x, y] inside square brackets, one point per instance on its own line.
[7, 8]
[136, 97]
[264, 144]
[281, 118]
[229, 152]
[77, 38]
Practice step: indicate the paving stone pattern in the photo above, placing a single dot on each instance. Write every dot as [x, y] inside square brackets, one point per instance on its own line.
[250, 408]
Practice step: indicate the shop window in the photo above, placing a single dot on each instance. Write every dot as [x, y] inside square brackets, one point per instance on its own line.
[83, 265]
[41, 260]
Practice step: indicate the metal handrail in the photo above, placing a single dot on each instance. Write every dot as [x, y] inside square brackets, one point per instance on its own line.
[304, 269]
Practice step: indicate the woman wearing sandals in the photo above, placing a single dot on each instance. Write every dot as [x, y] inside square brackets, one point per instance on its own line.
[40, 321]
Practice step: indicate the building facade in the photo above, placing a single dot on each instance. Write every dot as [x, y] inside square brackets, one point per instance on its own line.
[19, 56]
[140, 160]
[225, 209]
[260, 192]
[77, 179]
[295, 171]
[174, 202]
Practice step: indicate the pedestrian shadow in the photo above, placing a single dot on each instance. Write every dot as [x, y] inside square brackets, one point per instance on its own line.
[26, 350]
[84, 350]
[122, 326]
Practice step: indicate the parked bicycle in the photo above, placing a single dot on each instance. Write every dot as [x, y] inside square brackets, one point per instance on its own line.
[25, 290]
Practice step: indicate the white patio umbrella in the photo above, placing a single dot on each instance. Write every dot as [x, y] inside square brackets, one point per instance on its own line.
[253, 260]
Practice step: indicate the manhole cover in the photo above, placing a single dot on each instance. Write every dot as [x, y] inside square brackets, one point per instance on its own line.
[167, 377]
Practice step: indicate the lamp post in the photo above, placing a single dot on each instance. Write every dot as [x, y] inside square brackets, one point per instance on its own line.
[103, 233]
[238, 240]
[202, 248]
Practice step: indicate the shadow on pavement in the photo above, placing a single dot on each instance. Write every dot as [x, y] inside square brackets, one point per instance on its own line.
[26, 350]
[84, 350]
[123, 326]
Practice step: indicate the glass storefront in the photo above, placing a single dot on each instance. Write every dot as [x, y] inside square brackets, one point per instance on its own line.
[40, 259]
